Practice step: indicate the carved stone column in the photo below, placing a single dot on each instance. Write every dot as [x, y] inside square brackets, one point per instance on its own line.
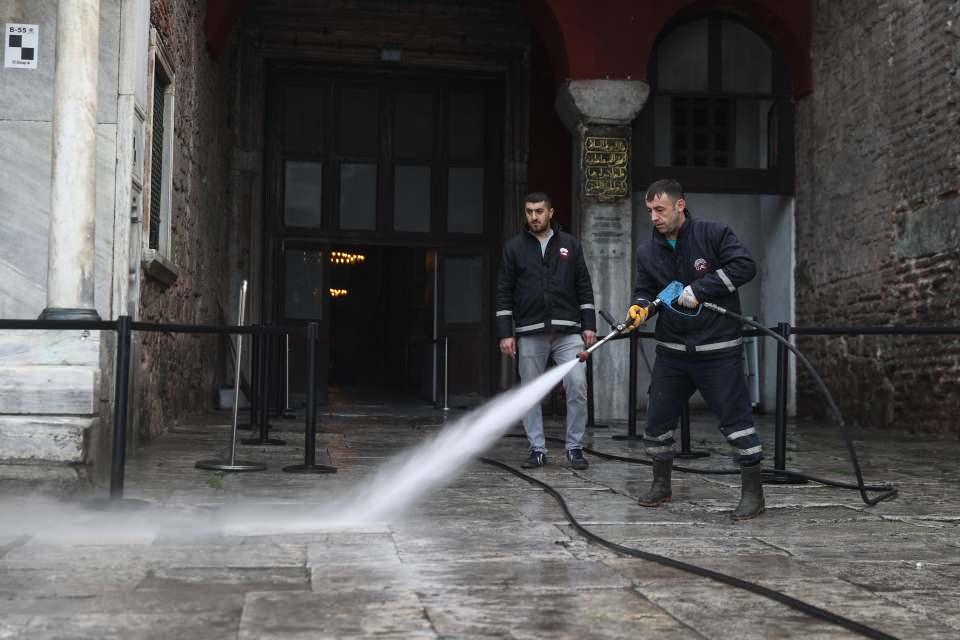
[71, 252]
[599, 114]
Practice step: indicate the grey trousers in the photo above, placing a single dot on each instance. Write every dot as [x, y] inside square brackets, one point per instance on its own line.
[533, 352]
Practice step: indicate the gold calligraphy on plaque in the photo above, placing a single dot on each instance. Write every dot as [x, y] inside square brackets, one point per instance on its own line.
[605, 168]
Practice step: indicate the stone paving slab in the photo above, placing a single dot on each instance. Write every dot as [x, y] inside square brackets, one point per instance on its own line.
[209, 624]
[618, 613]
[220, 580]
[64, 581]
[719, 611]
[490, 555]
[529, 575]
[353, 550]
[343, 614]
[123, 615]
[912, 545]
[434, 542]
[119, 557]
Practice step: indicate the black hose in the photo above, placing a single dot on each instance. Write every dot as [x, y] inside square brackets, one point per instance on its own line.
[782, 598]
[888, 491]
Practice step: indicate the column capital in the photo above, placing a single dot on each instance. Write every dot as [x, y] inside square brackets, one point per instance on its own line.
[581, 103]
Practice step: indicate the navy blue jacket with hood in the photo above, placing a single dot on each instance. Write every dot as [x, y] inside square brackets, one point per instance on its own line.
[710, 259]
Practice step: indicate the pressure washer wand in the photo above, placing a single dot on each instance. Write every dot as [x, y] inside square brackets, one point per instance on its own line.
[618, 328]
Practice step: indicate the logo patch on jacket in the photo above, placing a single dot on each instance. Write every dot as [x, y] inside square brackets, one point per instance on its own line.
[564, 253]
[700, 265]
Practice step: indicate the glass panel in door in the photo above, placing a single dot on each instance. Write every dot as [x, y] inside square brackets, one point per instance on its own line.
[305, 275]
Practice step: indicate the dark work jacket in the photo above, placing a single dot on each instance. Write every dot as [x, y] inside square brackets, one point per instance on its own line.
[540, 293]
[710, 259]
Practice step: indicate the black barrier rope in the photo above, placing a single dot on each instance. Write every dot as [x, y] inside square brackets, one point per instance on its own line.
[790, 601]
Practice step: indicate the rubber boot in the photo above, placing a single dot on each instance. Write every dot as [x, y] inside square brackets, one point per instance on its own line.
[660, 488]
[751, 493]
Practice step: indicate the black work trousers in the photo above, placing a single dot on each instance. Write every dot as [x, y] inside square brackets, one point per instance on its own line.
[722, 384]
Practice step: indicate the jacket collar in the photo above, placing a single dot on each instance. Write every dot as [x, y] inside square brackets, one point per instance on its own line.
[555, 227]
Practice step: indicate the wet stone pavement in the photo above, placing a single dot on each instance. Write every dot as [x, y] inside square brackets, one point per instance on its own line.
[489, 555]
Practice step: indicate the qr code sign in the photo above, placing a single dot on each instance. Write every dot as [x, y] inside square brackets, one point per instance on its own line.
[20, 44]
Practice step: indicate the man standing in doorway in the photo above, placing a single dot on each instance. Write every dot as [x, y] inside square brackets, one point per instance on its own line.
[545, 308]
[696, 352]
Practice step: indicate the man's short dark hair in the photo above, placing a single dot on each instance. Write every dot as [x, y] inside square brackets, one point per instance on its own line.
[665, 187]
[538, 196]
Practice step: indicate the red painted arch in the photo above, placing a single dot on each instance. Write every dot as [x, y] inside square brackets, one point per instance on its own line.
[615, 38]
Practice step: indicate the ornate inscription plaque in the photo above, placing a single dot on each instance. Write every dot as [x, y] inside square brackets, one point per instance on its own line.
[605, 168]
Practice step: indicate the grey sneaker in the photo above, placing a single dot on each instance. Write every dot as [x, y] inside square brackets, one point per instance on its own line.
[535, 459]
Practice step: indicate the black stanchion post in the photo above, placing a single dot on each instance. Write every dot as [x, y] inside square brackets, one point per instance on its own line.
[264, 421]
[631, 391]
[254, 380]
[116, 501]
[120, 408]
[780, 414]
[780, 443]
[310, 438]
[263, 394]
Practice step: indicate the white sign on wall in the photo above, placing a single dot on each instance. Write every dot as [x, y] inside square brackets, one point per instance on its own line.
[20, 44]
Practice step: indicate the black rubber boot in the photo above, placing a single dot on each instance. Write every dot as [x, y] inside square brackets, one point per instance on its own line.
[751, 493]
[660, 488]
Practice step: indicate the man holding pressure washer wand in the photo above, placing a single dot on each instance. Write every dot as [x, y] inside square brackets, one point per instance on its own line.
[695, 351]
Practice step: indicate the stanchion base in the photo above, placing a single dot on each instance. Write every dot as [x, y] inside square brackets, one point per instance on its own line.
[690, 455]
[224, 465]
[772, 476]
[269, 442]
[627, 437]
[113, 504]
[310, 468]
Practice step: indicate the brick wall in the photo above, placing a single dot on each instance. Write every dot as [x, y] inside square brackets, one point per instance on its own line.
[178, 373]
[878, 211]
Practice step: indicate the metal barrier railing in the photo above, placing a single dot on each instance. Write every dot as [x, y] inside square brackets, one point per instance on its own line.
[783, 329]
[124, 327]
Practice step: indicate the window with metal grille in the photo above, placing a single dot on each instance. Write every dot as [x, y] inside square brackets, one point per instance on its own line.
[160, 84]
[721, 113]
[702, 132]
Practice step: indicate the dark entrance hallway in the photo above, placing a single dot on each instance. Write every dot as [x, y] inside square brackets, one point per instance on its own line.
[381, 325]
[384, 211]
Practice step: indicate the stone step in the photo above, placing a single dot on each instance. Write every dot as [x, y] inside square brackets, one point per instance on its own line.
[55, 480]
[48, 390]
[37, 439]
[18, 348]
